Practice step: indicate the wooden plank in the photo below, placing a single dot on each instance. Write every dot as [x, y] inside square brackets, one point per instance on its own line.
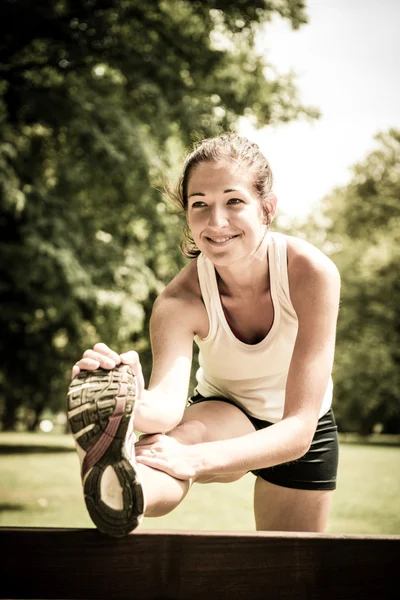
[75, 564]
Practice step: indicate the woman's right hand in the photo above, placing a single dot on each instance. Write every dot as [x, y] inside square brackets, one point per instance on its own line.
[103, 357]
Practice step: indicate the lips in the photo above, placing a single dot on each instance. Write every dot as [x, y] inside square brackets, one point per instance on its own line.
[220, 239]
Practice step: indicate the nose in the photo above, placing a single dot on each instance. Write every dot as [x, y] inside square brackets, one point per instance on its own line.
[218, 217]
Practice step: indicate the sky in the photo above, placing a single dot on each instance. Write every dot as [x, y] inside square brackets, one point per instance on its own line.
[347, 62]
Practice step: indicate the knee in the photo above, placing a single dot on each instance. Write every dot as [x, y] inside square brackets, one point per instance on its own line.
[190, 432]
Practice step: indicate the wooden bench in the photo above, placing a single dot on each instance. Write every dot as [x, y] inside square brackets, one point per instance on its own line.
[84, 564]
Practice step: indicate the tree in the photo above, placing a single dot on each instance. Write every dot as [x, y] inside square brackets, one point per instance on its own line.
[359, 226]
[98, 99]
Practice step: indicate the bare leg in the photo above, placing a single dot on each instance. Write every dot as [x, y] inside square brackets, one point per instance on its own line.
[118, 491]
[203, 422]
[277, 508]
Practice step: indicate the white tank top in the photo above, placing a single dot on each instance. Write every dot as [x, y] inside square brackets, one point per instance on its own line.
[253, 376]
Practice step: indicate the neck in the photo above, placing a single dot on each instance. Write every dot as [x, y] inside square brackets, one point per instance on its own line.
[249, 278]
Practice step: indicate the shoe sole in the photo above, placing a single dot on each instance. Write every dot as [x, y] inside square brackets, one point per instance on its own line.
[100, 407]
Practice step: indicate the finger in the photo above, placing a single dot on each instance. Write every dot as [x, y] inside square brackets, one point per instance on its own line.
[101, 348]
[161, 465]
[142, 443]
[104, 361]
[139, 448]
[132, 358]
[87, 364]
[149, 438]
[155, 463]
[143, 451]
[75, 371]
[148, 449]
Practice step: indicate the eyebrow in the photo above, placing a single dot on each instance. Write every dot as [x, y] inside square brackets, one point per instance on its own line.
[225, 192]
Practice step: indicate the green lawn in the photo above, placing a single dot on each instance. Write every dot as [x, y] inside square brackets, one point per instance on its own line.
[40, 486]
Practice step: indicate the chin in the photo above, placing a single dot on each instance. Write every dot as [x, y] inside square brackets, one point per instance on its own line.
[222, 259]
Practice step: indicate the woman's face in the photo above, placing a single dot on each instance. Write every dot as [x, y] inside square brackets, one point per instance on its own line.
[224, 212]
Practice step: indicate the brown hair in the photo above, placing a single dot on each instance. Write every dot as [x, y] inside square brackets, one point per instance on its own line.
[230, 147]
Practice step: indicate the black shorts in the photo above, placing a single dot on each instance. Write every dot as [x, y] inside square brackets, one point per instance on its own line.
[316, 470]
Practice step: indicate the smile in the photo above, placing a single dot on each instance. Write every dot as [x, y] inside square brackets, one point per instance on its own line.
[221, 240]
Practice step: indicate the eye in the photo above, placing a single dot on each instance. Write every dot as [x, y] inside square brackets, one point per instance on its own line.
[235, 201]
[198, 204]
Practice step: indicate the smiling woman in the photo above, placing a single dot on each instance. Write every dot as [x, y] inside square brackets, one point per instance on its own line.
[262, 308]
[226, 218]
[239, 156]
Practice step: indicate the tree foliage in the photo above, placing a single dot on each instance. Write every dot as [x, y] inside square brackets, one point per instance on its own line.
[98, 99]
[359, 226]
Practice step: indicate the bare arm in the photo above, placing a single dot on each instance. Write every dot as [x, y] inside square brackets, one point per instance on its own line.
[162, 404]
[175, 316]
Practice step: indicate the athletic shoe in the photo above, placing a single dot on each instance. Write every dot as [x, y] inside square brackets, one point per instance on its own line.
[100, 414]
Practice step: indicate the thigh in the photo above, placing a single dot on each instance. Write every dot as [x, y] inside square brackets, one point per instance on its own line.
[278, 508]
[297, 496]
[219, 420]
[210, 421]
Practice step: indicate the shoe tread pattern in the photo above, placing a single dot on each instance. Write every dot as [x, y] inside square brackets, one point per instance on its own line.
[97, 402]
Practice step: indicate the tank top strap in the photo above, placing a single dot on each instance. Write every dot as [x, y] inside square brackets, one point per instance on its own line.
[279, 268]
[208, 291]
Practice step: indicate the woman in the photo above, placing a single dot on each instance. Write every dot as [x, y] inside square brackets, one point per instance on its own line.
[262, 308]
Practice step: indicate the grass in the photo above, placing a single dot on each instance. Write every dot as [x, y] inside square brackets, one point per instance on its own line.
[40, 486]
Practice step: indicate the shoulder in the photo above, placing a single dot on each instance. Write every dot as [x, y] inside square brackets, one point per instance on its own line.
[304, 260]
[181, 301]
[311, 273]
[184, 288]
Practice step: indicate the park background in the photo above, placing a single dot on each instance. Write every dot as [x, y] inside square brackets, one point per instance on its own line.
[99, 99]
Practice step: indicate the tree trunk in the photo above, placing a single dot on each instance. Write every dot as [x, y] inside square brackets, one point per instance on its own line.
[9, 420]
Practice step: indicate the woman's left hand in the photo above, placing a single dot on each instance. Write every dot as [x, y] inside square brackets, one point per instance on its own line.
[166, 454]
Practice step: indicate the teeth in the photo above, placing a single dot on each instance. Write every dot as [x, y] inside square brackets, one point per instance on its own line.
[220, 240]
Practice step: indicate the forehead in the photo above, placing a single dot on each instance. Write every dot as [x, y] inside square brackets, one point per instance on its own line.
[214, 177]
